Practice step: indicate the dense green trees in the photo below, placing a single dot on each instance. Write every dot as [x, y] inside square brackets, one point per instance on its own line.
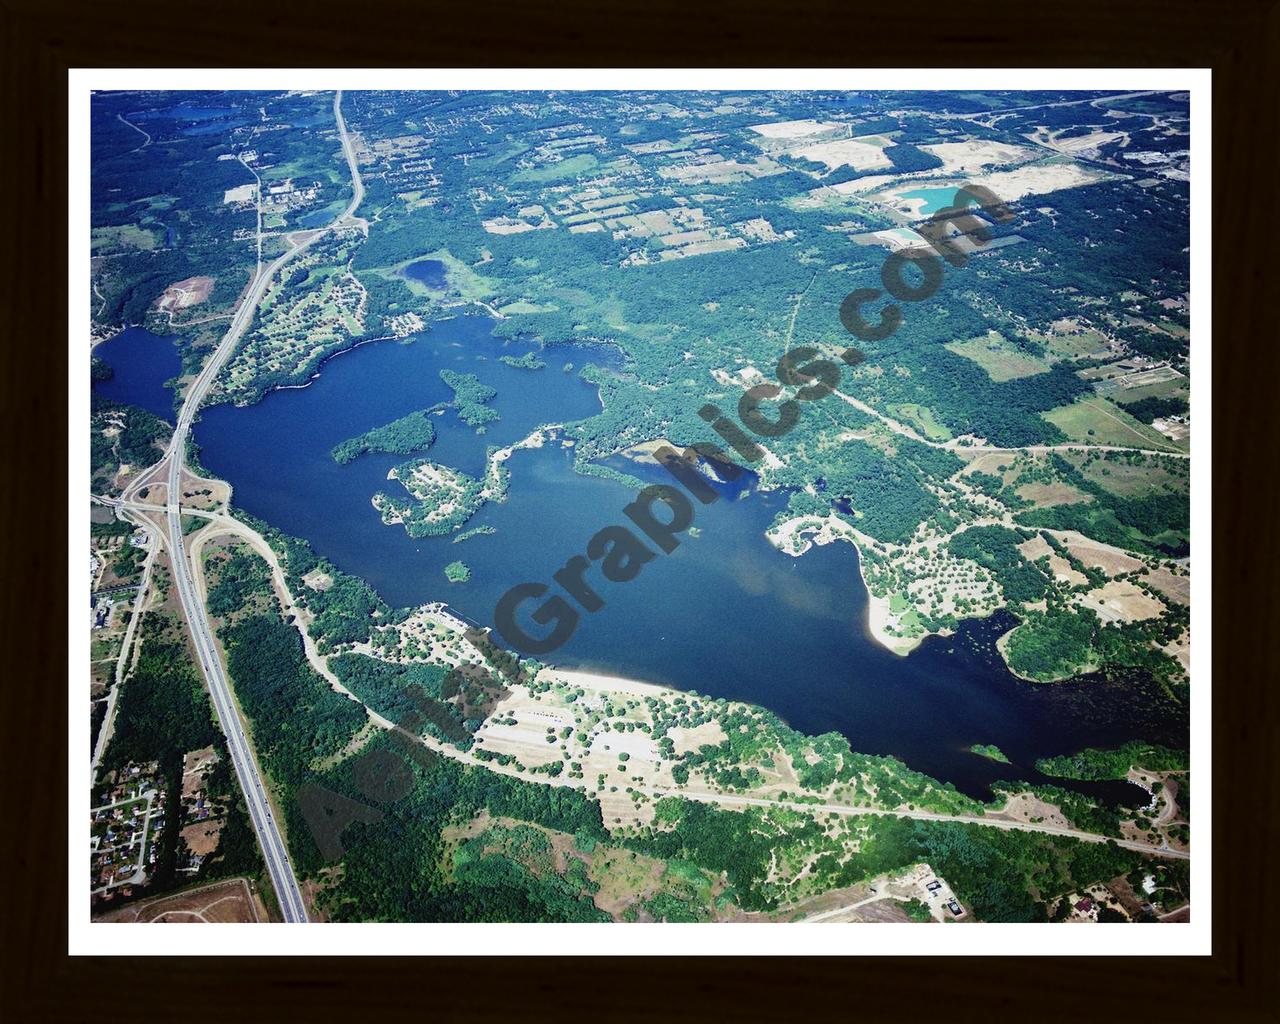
[1063, 641]
[297, 719]
[122, 435]
[996, 548]
[528, 361]
[1053, 646]
[239, 577]
[394, 869]
[409, 695]
[1148, 409]
[404, 436]
[163, 710]
[470, 398]
[1114, 764]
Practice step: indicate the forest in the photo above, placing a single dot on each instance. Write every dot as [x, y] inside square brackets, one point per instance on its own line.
[1114, 764]
[408, 434]
[394, 870]
[296, 718]
[470, 398]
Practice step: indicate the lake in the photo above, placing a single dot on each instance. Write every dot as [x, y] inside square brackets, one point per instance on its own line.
[726, 614]
[429, 273]
[141, 362]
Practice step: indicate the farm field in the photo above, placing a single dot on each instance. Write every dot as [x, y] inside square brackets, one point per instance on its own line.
[1097, 421]
[1000, 358]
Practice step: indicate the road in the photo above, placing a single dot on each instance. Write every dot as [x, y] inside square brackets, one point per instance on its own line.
[955, 445]
[122, 663]
[845, 909]
[220, 522]
[249, 774]
[247, 770]
[968, 819]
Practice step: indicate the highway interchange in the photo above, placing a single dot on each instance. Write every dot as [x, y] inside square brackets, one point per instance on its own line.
[266, 827]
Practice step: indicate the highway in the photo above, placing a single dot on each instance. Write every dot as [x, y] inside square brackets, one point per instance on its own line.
[274, 851]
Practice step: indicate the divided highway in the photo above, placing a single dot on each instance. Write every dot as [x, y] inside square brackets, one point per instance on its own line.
[274, 851]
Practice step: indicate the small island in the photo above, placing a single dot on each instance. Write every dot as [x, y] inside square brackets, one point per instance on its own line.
[989, 751]
[475, 531]
[408, 434]
[528, 361]
[470, 397]
[457, 572]
[441, 499]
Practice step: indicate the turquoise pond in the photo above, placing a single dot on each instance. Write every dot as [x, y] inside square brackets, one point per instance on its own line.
[935, 199]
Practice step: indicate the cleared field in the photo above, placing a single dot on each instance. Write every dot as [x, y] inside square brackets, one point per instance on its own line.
[1179, 388]
[995, 463]
[1093, 553]
[977, 155]
[1176, 588]
[1097, 421]
[1126, 481]
[189, 292]
[1038, 179]
[124, 236]
[1051, 494]
[1035, 547]
[923, 418]
[795, 129]
[1000, 358]
[1070, 341]
[229, 902]
[1157, 382]
[567, 168]
[863, 154]
[1119, 601]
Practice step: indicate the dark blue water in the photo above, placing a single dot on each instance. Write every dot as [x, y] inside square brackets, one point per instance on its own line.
[142, 362]
[726, 614]
[321, 217]
[428, 272]
[183, 112]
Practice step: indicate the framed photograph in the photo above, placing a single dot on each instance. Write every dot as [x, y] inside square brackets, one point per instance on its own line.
[647, 511]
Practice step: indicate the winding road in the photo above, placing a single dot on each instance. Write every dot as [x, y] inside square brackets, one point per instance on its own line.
[248, 772]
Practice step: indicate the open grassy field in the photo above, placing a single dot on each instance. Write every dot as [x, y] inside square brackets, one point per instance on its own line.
[1133, 480]
[1000, 358]
[229, 902]
[570, 167]
[922, 418]
[1071, 340]
[1047, 495]
[1097, 421]
[124, 236]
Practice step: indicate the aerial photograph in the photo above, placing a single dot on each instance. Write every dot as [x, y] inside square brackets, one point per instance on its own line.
[637, 506]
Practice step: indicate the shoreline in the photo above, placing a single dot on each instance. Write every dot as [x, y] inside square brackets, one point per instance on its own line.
[604, 683]
[786, 539]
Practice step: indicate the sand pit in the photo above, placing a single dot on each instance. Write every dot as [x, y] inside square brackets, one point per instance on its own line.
[1121, 602]
[977, 154]
[795, 129]
[861, 154]
[1110, 560]
[1176, 588]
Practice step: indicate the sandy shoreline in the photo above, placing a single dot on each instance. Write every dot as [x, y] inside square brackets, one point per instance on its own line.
[786, 538]
[605, 683]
